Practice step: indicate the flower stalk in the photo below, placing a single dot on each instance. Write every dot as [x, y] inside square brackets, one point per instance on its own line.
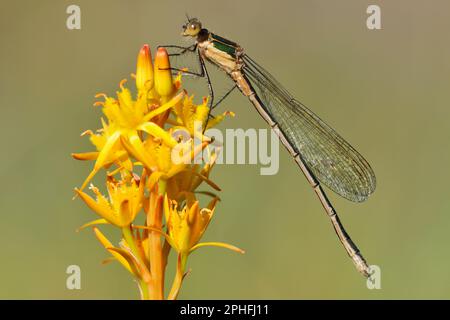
[151, 175]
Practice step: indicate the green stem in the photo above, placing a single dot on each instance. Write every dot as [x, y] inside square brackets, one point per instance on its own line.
[162, 184]
[179, 276]
[128, 236]
[144, 290]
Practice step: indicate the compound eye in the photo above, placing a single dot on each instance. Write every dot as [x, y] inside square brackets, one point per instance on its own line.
[192, 28]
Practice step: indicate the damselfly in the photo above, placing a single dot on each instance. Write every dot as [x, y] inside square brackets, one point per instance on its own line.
[320, 152]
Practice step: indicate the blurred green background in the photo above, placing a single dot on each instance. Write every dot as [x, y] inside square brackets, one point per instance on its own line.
[386, 91]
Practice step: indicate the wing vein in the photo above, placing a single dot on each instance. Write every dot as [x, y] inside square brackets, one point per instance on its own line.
[333, 161]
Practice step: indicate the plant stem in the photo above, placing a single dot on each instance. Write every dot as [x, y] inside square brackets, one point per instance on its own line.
[179, 276]
[144, 290]
[128, 236]
[154, 220]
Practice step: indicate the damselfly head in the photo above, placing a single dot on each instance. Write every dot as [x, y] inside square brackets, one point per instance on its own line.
[192, 27]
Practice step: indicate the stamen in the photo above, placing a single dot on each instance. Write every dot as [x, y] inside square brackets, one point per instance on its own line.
[101, 95]
[89, 132]
[121, 84]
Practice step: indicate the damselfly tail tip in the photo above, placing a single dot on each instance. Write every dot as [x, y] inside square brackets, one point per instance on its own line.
[362, 266]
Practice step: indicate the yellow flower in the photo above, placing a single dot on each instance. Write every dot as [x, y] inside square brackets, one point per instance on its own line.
[195, 117]
[162, 130]
[129, 118]
[166, 162]
[191, 177]
[187, 225]
[125, 200]
[116, 155]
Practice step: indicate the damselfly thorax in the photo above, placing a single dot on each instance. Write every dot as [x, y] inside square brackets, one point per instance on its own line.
[226, 55]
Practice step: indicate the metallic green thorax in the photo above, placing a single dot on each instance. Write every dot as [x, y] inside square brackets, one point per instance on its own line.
[224, 45]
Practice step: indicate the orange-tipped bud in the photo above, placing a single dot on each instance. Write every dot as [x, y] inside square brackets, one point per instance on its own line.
[144, 69]
[163, 75]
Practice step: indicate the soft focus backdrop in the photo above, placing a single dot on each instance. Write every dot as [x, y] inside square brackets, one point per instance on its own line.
[385, 91]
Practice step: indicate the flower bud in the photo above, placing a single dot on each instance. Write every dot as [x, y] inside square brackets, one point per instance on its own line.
[163, 75]
[144, 69]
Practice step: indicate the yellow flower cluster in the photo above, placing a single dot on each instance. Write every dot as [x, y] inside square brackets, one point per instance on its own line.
[136, 147]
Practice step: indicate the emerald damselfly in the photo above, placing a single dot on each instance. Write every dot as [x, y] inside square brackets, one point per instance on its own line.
[322, 154]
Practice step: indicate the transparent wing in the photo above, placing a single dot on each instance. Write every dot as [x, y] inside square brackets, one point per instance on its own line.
[332, 160]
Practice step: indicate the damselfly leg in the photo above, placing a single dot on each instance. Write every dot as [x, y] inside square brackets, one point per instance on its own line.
[202, 74]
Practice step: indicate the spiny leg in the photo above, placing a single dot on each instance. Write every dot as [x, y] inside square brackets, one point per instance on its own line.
[183, 51]
[191, 48]
[224, 97]
[202, 74]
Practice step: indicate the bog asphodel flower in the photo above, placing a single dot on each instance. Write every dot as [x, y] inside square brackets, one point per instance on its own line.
[128, 119]
[187, 225]
[135, 147]
[124, 202]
